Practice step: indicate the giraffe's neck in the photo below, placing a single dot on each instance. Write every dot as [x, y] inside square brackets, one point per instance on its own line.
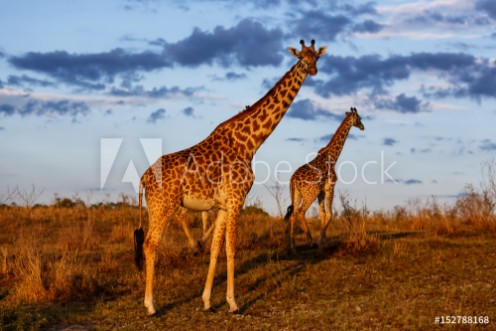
[246, 131]
[335, 146]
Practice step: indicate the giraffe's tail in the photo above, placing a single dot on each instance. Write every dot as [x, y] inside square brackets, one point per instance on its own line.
[288, 213]
[139, 234]
[290, 209]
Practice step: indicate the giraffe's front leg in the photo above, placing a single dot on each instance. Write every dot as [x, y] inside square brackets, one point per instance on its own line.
[322, 212]
[217, 240]
[329, 196]
[290, 234]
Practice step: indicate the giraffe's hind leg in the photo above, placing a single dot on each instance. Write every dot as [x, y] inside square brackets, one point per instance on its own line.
[300, 214]
[158, 220]
[217, 241]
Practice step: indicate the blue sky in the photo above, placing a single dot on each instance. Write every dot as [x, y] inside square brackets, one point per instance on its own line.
[92, 85]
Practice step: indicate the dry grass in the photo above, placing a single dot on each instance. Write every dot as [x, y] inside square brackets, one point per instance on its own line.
[392, 270]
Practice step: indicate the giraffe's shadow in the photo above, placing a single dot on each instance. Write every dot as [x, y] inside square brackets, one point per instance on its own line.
[293, 264]
[306, 254]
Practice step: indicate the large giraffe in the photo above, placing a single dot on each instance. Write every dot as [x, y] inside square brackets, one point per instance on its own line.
[216, 173]
[316, 179]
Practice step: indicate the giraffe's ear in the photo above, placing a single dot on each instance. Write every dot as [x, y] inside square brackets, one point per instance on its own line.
[322, 50]
[294, 52]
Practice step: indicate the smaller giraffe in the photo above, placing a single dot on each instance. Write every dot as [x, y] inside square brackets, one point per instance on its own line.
[316, 179]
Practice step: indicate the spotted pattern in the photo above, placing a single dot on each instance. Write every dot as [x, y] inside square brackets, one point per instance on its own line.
[316, 180]
[216, 174]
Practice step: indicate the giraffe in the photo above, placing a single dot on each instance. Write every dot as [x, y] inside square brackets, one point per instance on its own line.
[316, 179]
[216, 174]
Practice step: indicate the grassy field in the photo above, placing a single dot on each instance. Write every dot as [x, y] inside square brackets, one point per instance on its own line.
[70, 267]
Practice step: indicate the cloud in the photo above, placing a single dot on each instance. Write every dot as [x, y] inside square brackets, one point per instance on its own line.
[15, 80]
[488, 6]
[189, 112]
[431, 17]
[356, 10]
[326, 137]
[7, 109]
[412, 181]
[402, 103]
[62, 107]
[89, 70]
[248, 44]
[306, 110]
[316, 24]
[464, 74]
[156, 115]
[487, 145]
[229, 76]
[155, 93]
[389, 141]
[295, 139]
[368, 26]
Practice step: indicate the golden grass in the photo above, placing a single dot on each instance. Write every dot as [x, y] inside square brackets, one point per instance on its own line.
[75, 265]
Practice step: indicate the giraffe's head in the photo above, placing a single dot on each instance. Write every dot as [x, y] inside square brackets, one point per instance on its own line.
[355, 118]
[308, 56]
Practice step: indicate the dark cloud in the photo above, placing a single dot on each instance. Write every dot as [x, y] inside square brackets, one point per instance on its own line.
[189, 111]
[389, 141]
[488, 6]
[2, 128]
[230, 76]
[306, 110]
[15, 80]
[7, 109]
[467, 76]
[412, 181]
[402, 103]
[487, 145]
[295, 139]
[264, 4]
[369, 26]
[156, 115]
[39, 108]
[248, 43]
[355, 10]
[316, 24]
[89, 70]
[433, 17]
[156, 92]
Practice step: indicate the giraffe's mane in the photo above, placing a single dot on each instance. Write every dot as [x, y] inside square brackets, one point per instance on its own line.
[323, 149]
[248, 110]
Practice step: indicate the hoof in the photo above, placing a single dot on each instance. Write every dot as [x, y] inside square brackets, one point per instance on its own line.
[210, 310]
[235, 311]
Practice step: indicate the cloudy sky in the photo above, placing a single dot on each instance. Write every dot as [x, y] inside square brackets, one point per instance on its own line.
[92, 91]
